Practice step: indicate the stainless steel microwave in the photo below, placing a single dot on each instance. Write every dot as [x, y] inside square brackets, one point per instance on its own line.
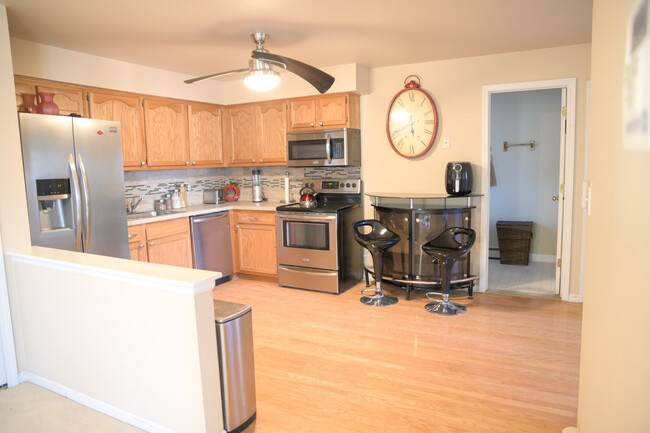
[329, 148]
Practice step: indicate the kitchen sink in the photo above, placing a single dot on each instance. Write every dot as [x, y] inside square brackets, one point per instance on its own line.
[152, 213]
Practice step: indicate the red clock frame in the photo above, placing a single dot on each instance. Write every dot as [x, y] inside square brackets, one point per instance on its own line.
[412, 85]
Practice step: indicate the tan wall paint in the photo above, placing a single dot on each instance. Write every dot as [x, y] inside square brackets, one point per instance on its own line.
[13, 204]
[456, 87]
[614, 375]
[149, 352]
[43, 61]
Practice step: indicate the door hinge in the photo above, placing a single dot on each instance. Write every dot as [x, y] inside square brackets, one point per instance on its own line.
[559, 263]
[564, 111]
[562, 188]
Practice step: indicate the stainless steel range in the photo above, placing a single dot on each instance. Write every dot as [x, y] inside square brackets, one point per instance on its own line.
[316, 246]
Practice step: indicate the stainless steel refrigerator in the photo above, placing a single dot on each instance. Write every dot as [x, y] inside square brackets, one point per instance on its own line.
[75, 183]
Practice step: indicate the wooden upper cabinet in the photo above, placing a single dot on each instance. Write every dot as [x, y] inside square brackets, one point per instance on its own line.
[166, 133]
[242, 140]
[302, 114]
[205, 135]
[271, 127]
[68, 97]
[340, 110]
[126, 109]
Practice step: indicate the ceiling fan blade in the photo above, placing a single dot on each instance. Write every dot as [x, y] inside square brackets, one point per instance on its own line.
[317, 78]
[218, 74]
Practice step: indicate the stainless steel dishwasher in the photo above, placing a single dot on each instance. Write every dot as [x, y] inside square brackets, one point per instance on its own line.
[211, 243]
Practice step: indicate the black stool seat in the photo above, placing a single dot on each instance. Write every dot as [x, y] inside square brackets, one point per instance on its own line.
[446, 249]
[377, 241]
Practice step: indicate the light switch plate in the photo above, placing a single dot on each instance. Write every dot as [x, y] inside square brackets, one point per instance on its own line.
[446, 143]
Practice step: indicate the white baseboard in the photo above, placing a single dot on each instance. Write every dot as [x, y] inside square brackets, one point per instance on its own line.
[94, 404]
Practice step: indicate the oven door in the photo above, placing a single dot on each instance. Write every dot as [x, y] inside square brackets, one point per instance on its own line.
[307, 239]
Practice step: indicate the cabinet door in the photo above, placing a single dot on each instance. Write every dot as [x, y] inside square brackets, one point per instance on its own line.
[271, 120]
[205, 135]
[126, 109]
[137, 244]
[242, 135]
[256, 249]
[69, 99]
[332, 111]
[174, 250]
[302, 114]
[166, 133]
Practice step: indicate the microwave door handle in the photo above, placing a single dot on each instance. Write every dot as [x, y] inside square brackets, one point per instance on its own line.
[77, 198]
[328, 149]
[86, 190]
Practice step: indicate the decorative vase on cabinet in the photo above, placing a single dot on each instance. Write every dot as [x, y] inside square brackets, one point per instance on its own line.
[29, 104]
[47, 105]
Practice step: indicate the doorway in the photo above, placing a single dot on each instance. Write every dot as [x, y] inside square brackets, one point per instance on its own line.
[531, 180]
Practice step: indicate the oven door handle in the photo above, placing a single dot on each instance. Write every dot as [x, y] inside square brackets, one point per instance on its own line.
[328, 149]
[306, 216]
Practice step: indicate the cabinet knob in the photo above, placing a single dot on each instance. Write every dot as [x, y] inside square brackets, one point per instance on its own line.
[320, 123]
[151, 244]
[252, 219]
[237, 227]
[252, 160]
[311, 124]
[260, 160]
[141, 245]
[143, 163]
[187, 163]
[193, 162]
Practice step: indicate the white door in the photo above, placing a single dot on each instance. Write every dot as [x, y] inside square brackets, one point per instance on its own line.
[559, 198]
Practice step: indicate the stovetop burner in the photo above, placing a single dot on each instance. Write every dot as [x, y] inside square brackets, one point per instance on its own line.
[332, 195]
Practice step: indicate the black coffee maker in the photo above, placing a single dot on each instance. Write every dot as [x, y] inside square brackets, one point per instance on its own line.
[459, 178]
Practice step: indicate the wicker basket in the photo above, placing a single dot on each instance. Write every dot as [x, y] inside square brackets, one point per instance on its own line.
[514, 241]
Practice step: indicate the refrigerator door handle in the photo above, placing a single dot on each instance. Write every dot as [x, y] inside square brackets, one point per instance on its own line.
[77, 197]
[86, 192]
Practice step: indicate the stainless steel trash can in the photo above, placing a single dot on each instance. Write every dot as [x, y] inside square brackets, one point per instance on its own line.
[236, 364]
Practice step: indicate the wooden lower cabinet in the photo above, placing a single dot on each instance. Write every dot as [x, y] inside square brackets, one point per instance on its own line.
[167, 243]
[253, 242]
[137, 243]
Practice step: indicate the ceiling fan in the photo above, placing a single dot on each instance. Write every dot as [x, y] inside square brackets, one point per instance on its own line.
[261, 76]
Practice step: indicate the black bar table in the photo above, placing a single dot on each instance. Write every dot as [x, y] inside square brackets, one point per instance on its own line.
[418, 218]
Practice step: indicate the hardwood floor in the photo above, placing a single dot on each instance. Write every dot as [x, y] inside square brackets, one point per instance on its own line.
[329, 364]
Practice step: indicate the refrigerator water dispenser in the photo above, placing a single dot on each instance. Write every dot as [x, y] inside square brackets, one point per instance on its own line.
[54, 204]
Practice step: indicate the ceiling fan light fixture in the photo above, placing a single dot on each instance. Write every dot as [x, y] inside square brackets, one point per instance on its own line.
[261, 81]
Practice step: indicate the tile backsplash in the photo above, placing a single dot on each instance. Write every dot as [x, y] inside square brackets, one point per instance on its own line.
[151, 184]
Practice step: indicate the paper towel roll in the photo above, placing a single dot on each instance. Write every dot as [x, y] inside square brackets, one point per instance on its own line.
[286, 188]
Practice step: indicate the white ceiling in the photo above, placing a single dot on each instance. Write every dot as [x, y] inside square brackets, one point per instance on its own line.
[199, 37]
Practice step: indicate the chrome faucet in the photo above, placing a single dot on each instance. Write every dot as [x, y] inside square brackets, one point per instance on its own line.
[133, 203]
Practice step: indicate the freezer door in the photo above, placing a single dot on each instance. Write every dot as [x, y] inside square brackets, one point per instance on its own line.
[98, 148]
[47, 144]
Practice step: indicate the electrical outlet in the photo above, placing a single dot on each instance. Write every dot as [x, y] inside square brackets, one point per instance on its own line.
[446, 143]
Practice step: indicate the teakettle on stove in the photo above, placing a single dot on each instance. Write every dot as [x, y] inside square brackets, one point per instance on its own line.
[459, 178]
[307, 197]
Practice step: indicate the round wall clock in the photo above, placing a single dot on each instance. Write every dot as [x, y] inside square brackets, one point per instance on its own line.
[412, 120]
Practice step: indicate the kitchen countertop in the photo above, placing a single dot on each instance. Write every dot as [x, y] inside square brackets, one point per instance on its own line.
[206, 209]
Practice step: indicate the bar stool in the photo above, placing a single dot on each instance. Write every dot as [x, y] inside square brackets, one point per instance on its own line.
[446, 249]
[376, 242]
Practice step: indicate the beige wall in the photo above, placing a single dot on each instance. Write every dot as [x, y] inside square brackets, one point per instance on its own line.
[456, 87]
[52, 63]
[99, 328]
[614, 376]
[13, 208]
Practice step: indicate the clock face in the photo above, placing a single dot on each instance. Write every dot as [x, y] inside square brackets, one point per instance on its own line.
[412, 123]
